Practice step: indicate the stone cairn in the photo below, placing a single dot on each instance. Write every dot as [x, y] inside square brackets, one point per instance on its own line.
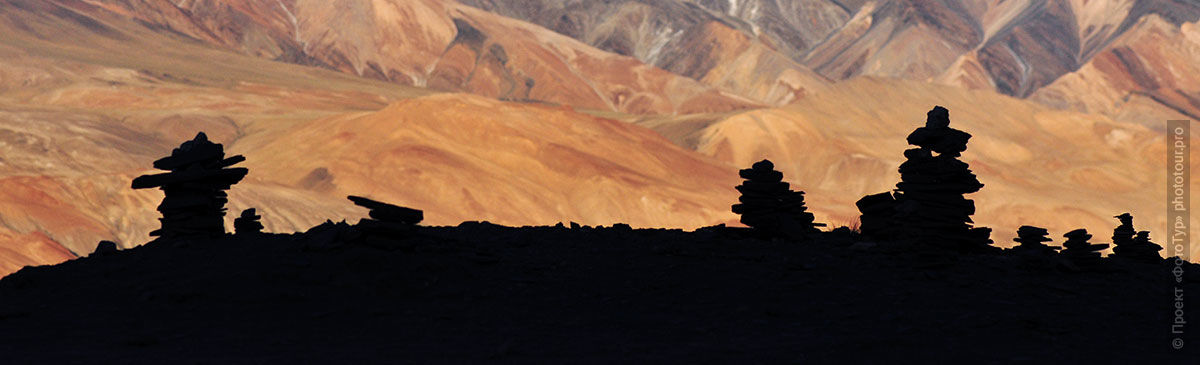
[1126, 245]
[1123, 235]
[928, 204]
[878, 216]
[769, 206]
[248, 223]
[1078, 249]
[1149, 247]
[1030, 239]
[194, 190]
[387, 219]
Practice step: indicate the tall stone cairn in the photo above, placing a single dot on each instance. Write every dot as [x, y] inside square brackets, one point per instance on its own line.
[769, 206]
[194, 188]
[1133, 245]
[930, 206]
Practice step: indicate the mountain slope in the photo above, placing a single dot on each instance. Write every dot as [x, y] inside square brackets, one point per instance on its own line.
[1014, 47]
[82, 112]
[681, 37]
[84, 108]
[1138, 79]
[92, 91]
[462, 157]
[428, 43]
[1039, 166]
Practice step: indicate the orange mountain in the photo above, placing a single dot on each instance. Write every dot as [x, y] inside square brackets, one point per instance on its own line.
[439, 44]
[463, 157]
[1039, 166]
[1148, 76]
[92, 91]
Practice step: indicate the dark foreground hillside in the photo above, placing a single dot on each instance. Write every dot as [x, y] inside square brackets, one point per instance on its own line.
[485, 293]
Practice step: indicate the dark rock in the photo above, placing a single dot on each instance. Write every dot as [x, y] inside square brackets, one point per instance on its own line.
[1123, 234]
[388, 212]
[105, 248]
[387, 223]
[1077, 245]
[928, 204]
[1078, 252]
[248, 223]
[878, 215]
[194, 190]
[769, 206]
[1030, 239]
[329, 235]
[1127, 246]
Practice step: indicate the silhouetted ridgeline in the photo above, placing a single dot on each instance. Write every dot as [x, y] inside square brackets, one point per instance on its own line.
[918, 284]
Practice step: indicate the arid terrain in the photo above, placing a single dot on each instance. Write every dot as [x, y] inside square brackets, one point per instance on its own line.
[535, 112]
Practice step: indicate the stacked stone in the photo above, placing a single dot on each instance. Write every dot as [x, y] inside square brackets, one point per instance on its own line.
[194, 188]
[768, 205]
[1138, 248]
[249, 223]
[1123, 235]
[930, 206]
[1077, 247]
[1144, 249]
[387, 219]
[1030, 239]
[796, 217]
[878, 216]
